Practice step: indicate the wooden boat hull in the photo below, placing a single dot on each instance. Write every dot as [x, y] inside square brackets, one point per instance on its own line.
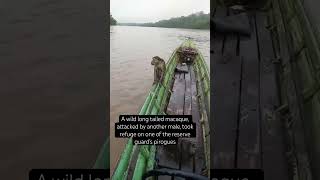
[136, 160]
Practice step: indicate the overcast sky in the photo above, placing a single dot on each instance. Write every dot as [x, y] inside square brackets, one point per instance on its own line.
[141, 11]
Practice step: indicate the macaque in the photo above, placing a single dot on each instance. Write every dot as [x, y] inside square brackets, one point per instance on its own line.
[159, 69]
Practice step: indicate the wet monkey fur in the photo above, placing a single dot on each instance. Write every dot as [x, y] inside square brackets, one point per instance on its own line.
[159, 69]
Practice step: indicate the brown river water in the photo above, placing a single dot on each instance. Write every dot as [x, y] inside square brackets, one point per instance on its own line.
[131, 50]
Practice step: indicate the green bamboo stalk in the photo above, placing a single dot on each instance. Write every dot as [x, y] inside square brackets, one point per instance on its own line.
[124, 161]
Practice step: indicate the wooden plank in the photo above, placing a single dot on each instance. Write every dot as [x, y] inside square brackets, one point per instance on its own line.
[231, 42]
[216, 46]
[274, 162]
[169, 156]
[176, 102]
[199, 158]
[226, 83]
[186, 144]
[218, 38]
[248, 155]
[188, 95]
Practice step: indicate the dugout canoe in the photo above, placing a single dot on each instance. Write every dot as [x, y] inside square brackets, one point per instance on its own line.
[286, 124]
[185, 90]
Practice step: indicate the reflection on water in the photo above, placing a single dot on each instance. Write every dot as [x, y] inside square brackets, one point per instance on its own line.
[131, 50]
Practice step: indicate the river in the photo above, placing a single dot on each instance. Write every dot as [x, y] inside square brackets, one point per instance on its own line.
[131, 51]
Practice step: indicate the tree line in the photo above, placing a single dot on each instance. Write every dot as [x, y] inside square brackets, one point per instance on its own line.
[112, 20]
[198, 20]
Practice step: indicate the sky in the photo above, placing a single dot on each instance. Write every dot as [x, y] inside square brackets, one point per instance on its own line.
[142, 11]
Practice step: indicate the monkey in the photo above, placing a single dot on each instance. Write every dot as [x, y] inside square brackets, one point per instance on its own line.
[159, 69]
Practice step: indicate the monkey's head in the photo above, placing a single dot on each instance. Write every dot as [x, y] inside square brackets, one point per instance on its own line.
[155, 60]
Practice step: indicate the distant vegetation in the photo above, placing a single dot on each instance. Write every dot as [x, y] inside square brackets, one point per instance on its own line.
[112, 20]
[194, 21]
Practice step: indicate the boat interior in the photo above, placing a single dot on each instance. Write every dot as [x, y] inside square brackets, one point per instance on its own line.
[188, 155]
[247, 133]
[263, 65]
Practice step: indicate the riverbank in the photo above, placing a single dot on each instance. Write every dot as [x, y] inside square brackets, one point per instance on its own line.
[197, 20]
[163, 27]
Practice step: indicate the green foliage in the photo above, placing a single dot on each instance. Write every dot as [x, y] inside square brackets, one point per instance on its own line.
[112, 20]
[194, 21]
